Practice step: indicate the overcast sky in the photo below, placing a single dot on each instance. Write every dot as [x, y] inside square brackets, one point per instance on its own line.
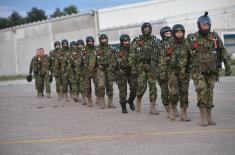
[23, 6]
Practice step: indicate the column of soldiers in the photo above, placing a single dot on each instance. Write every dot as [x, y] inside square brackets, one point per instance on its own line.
[142, 63]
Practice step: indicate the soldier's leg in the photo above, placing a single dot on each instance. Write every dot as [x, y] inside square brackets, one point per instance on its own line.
[122, 86]
[109, 89]
[183, 88]
[37, 85]
[88, 90]
[74, 88]
[173, 85]
[201, 90]
[152, 93]
[141, 88]
[70, 88]
[58, 86]
[211, 79]
[65, 88]
[82, 89]
[101, 87]
[165, 95]
[132, 81]
[47, 84]
[94, 78]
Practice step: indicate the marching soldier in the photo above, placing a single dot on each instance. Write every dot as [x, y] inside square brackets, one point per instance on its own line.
[124, 74]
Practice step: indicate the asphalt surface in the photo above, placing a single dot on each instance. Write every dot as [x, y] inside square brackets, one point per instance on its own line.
[41, 126]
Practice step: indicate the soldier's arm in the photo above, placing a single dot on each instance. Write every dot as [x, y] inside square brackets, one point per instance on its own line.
[31, 66]
[132, 57]
[185, 56]
[92, 61]
[223, 55]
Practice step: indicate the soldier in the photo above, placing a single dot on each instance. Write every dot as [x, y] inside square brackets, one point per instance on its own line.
[124, 74]
[206, 54]
[178, 80]
[88, 67]
[162, 75]
[65, 82]
[54, 55]
[40, 66]
[70, 70]
[143, 62]
[79, 72]
[106, 63]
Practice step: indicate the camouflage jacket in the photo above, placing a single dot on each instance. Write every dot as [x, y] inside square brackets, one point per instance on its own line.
[40, 65]
[174, 62]
[53, 55]
[106, 58]
[58, 63]
[143, 54]
[77, 59]
[198, 45]
[88, 59]
[164, 51]
[65, 63]
[122, 55]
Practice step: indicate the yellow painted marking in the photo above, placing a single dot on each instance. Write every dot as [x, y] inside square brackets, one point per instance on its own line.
[115, 136]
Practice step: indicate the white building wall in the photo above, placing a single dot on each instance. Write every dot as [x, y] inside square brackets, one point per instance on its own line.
[18, 44]
[155, 10]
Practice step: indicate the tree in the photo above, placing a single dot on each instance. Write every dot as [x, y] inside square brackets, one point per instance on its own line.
[4, 23]
[36, 14]
[70, 9]
[57, 13]
[15, 19]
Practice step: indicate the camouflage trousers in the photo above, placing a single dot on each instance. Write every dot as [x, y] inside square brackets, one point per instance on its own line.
[40, 81]
[164, 91]
[87, 84]
[58, 83]
[147, 77]
[78, 86]
[178, 88]
[68, 83]
[125, 77]
[204, 85]
[95, 82]
[105, 80]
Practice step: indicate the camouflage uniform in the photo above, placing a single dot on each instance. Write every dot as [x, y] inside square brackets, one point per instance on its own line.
[88, 66]
[64, 70]
[207, 52]
[54, 55]
[143, 62]
[124, 74]
[178, 83]
[78, 75]
[40, 66]
[162, 74]
[106, 63]
[79, 71]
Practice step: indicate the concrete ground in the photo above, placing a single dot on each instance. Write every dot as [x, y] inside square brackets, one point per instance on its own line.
[35, 126]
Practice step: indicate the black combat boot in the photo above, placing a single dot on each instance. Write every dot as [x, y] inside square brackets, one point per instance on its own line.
[131, 104]
[123, 105]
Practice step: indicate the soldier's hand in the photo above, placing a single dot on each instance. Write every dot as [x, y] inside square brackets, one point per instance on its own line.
[228, 72]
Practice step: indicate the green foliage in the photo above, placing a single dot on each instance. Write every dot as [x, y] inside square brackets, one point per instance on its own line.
[33, 15]
[36, 14]
[71, 9]
[57, 13]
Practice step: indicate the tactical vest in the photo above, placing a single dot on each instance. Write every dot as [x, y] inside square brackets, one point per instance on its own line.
[145, 49]
[204, 52]
[104, 56]
[122, 58]
[177, 48]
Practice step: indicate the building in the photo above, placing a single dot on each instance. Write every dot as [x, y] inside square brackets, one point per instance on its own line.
[19, 43]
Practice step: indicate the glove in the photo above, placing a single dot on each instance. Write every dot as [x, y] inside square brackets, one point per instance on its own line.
[29, 78]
